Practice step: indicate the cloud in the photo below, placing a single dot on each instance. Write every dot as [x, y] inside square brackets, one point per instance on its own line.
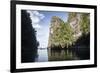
[36, 17]
[35, 25]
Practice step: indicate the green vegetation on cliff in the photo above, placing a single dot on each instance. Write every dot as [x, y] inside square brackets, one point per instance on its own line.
[85, 23]
[62, 35]
[65, 34]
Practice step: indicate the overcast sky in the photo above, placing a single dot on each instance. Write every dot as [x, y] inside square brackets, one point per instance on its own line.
[41, 22]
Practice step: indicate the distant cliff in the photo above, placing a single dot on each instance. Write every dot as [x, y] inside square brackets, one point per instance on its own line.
[64, 34]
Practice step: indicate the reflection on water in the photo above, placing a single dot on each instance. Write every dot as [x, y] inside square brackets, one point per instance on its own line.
[60, 55]
[45, 54]
[42, 55]
[68, 54]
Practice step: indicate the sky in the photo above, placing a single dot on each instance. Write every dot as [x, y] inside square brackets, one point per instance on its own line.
[41, 22]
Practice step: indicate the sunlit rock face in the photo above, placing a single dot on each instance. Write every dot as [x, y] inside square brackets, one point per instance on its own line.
[80, 22]
[75, 38]
[76, 26]
[74, 21]
[55, 24]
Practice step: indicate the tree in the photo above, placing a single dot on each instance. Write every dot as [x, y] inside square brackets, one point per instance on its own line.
[66, 35]
[85, 23]
[63, 35]
[28, 38]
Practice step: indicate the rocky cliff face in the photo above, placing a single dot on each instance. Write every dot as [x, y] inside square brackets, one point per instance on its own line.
[80, 22]
[66, 34]
[74, 21]
[55, 24]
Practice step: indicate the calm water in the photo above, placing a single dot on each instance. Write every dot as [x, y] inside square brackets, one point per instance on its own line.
[42, 55]
[45, 54]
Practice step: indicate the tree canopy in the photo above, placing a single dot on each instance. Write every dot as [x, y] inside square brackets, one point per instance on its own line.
[63, 35]
[85, 23]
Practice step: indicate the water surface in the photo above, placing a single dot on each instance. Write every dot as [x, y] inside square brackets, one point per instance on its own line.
[45, 55]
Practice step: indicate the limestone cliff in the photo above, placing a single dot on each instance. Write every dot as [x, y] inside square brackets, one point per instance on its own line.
[55, 24]
[80, 22]
[74, 21]
[64, 34]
